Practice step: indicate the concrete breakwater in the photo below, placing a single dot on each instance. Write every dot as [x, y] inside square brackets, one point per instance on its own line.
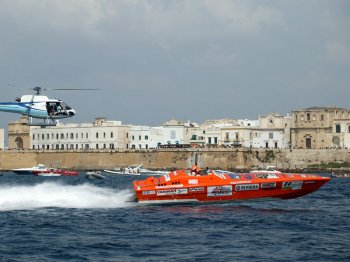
[231, 159]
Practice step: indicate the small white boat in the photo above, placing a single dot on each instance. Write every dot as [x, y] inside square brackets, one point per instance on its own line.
[94, 175]
[135, 170]
[30, 170]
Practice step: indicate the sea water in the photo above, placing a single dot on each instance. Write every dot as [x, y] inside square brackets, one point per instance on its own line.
[75, 219]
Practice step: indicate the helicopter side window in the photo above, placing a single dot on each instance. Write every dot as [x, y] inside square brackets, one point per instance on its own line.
[51, 109]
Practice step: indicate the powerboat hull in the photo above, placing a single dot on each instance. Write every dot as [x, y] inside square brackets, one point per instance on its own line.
[179, 186]
[30, 170]
[55, 172]
[117, 172]
[94, 175]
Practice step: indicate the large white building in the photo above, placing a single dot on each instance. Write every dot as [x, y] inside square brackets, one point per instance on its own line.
[101, 134]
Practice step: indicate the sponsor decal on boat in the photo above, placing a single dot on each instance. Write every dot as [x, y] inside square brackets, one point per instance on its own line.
[293, 185]
[167, 177]
[248, 176]
[268, 185]
[247, 187]
[174, 191]
[240, 182]
[196, 189]
[148, 192]
[219, 191]
[193, 181]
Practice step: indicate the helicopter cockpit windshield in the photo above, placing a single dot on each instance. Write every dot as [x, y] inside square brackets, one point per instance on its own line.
[59, 109]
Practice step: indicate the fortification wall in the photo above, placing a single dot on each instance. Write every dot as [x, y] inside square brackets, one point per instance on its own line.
[173, 158]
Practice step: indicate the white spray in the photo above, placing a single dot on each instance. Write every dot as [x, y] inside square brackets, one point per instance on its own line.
[49, 194]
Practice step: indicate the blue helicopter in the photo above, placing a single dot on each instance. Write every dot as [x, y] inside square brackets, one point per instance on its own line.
[38, 106]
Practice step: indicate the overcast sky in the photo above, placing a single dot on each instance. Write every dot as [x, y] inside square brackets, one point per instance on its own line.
[188, 60]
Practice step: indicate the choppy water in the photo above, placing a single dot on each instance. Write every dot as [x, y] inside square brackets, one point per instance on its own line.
[75, 219]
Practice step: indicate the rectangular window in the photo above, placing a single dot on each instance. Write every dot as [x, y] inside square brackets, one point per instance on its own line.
[172, 134]
[322, 118]
[139, 137]
[111, 134]
[337, 128]
[227, 136]
[271, 135]
[96, 134]
[104, 135]
[33, 137]
[348, 129]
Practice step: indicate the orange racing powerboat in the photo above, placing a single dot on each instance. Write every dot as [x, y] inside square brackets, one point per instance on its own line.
[180, 186]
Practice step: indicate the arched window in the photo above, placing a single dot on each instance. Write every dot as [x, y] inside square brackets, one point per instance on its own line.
[308, 118]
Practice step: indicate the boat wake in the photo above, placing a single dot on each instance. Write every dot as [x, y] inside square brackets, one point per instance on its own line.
[50, 194]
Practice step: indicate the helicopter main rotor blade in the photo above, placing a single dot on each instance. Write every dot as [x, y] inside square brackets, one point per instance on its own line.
[75, 89]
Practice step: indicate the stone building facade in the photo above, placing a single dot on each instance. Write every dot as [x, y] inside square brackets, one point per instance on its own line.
[321, 127]
[19, 134]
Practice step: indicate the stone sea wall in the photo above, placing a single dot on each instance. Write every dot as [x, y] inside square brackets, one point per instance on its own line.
[175, 158]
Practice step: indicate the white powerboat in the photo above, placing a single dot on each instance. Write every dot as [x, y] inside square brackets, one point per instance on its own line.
[30, 170]
[135, 170]
[94, 175]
